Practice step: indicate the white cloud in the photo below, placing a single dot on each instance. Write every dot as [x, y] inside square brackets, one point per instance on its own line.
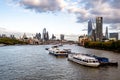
[43, 5]
[83, 9]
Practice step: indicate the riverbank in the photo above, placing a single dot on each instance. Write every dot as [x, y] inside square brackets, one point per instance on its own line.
[9, 41]
[2, 45]
[110, 45]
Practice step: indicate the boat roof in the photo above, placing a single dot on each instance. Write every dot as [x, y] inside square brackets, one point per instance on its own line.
[84, 57]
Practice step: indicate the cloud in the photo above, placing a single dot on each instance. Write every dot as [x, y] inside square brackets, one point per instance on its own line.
[1, 29]
[83, 9]
[43, 5]
[115, 26]
[84, 29]
[115, 3]
[104, 8]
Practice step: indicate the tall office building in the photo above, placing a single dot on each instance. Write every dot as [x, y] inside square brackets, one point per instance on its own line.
[38, 36]
[99, 24]
[44, 32]
[90, 28]
[45, 35]
[93, 35]
[62, 37]
[106, 33]
[53, 37]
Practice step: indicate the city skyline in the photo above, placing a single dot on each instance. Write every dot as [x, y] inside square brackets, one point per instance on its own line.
[58, 16]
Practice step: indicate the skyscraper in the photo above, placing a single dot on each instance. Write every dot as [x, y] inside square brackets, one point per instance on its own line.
[38, 36]
[45, 35]
[62, 36]
[106, 33]
[53, 37]
[90, 28]
[44, 32]
[99, 23]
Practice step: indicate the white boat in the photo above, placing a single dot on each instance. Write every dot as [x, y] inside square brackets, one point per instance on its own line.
[58, 52]
[84, 60]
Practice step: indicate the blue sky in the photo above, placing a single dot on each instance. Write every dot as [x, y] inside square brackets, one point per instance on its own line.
[57, 16]
[17, 18]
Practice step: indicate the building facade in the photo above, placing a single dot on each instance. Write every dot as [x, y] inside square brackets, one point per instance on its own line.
[106, 33]
[82, 40]
[113, 36]
[90, 29]
[99, 26]
[38, 36]
[61, 37]
[45, 35]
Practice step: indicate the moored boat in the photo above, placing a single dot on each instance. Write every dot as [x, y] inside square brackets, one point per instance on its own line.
[84, 60]
[58, 52]
[91, 60]
[103, 60]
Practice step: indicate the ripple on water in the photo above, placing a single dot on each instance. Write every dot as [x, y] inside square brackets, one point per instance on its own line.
[34, 63]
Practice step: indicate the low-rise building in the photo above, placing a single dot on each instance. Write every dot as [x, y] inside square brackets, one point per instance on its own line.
[113, 36]
[82, 40]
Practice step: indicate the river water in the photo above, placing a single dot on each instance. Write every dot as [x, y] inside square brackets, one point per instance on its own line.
[32, 62]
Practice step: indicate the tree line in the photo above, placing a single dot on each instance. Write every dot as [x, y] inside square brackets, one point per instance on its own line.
[110, 45]
[10, 41]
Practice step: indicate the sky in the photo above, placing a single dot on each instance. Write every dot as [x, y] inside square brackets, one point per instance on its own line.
[68, 17]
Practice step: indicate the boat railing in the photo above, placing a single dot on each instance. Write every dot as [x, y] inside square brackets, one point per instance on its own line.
[87, 60]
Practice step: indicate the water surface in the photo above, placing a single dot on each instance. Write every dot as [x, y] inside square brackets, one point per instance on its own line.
[32, 62]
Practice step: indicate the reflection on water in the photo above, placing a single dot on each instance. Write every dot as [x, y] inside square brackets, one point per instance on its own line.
[34, 63]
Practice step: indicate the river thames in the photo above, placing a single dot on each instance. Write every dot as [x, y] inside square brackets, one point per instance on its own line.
[33, 62]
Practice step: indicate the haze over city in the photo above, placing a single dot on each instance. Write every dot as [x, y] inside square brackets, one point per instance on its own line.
[58, 16]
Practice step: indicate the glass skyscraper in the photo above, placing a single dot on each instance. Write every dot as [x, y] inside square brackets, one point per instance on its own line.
[90, 29]
[99, 24]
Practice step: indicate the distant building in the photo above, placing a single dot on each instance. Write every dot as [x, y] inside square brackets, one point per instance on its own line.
[3, 35]
[106, 33]
[90, 28]
[38, 36]
[99, 25]
[53, 37]
[12, 36]
[82, 40]
[62, 37]
[113, 36]
[24, 38]
[45, 35]
[93, 35]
